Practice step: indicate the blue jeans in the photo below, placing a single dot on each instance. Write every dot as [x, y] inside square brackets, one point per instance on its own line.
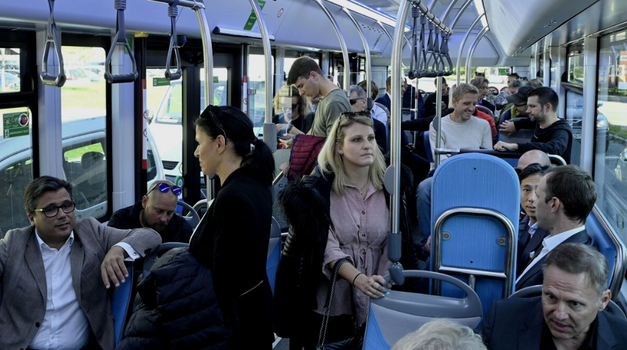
[423, 205]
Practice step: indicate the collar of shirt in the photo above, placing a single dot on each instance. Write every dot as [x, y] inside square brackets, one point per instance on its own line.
[551, 242]
[532, 229]
[42, 245]
[589, 343]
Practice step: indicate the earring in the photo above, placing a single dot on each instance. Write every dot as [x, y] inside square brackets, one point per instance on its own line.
[341, 153]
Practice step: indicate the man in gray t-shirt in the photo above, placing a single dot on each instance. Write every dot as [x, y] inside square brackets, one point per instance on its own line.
[306, 75]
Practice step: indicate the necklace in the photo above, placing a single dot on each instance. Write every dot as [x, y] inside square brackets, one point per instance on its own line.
[361, 191]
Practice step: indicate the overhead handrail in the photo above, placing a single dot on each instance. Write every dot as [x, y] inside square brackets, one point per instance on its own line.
[461, 47]
[120, 41]
[174, 45]
[343, 46]
[415, 64]
[430, 55]
[444, 51]
[366, 51]
[52, 39]
[471, 50]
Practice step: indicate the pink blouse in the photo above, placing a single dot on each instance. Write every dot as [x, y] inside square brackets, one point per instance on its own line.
[358, 232]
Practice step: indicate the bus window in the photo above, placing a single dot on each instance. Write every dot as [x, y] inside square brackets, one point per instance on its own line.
[610, 173]
[83, 107]
[9, 69]
[257, 83]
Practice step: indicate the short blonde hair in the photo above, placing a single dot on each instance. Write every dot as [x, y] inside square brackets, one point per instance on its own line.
[441, 334]
[462, 89]
[330, 160]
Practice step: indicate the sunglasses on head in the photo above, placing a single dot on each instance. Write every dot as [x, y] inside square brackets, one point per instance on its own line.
[164, 187]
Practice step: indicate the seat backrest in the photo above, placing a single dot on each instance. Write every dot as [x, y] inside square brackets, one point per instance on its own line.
[192, 216]
[274, 253]
[399, 313]
[383, 107]
[120, 303]
[474, 221]
[611, 247]
[485, 110]
[157, 253]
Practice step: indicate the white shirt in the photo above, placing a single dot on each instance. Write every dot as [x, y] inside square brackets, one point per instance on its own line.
[65, 325]
[548, 244]
[532, 230]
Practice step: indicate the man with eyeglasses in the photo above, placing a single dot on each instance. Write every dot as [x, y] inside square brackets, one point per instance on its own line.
[156, 210]
[55, 274]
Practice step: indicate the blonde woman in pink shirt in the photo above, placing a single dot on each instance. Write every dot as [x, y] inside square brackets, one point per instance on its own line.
[338, 212]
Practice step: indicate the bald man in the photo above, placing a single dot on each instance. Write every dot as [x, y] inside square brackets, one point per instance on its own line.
[533, 156]
[156, 211]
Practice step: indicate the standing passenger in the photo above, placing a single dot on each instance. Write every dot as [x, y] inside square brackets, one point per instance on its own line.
[339, 211]
[306, 75]
[233, 240]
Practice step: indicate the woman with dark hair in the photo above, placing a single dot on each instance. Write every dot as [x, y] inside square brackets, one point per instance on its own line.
[232, 240]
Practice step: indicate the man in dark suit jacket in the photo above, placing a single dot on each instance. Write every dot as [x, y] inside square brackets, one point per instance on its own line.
[565, 197]
[156, 211]
[56, 273]
[569, 314]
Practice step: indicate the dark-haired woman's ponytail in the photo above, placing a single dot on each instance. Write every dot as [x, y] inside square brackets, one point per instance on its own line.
[260, 162]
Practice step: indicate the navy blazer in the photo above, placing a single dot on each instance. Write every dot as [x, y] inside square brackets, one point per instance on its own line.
[516, 324]
[385, 100]
[535, 276]
[522, 259]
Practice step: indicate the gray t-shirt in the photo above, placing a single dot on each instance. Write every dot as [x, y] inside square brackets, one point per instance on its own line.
[329, 109]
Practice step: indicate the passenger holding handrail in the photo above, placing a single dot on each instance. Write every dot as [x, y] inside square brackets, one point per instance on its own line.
[340, 211]
[233, 240]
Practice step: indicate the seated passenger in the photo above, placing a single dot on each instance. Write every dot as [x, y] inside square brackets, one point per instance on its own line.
[441, 334]
[292, 114]
[377, 112]
[156, 211]
[359, 103]
[459, 130]
[517, 103]
[530, 237]
[551, 135]
[56, 273]
[530, 157]
[340, 211]
[569, 314]
[564, 198]
[481, 83]
[430, 103]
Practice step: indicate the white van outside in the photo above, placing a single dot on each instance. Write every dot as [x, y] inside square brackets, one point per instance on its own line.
[84, 165]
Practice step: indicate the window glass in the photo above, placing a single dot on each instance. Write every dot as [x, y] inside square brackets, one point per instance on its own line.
[611, 141]
[9, 69]
[257, 88]
[553, 77]
[574, 109]
[16, 166]
[575, 64]
[83, 108]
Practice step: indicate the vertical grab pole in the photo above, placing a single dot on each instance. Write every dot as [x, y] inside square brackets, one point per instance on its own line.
[392, 176]
[471, 50]
[205, 33]
[366, 52]
[340, 37]
[269, 128]
[461, 47]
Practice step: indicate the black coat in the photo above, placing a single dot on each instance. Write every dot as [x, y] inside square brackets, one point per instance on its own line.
[306, 205]
[233, 243]
[176, 308]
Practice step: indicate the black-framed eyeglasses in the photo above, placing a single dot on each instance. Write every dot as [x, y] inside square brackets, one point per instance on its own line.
[216, 121]
[53, 210]
[164, 188]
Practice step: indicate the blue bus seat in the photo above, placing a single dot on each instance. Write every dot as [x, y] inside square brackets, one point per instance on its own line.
[611, 247]
[400, 313]
[120, 303]
[192, 217]
[274, 253]
[474, 225]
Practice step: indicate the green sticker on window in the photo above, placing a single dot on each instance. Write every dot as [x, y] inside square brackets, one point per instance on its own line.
[250, 23]
[15, 124]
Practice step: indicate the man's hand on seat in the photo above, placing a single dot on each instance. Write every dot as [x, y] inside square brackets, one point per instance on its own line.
[112, 269]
